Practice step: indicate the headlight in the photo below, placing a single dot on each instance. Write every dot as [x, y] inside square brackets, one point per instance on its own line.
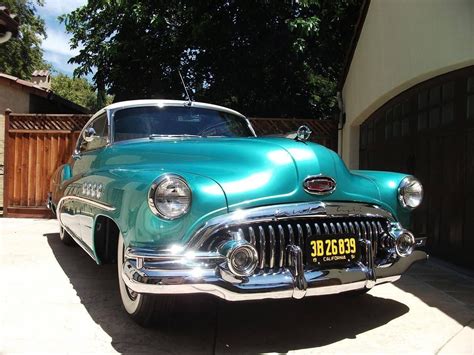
[169, 197]
[410, 192]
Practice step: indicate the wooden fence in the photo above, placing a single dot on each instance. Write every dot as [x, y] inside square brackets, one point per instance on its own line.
[36, 144]
[324, 131]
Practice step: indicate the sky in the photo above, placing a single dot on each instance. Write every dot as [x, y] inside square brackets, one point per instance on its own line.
[56, 46]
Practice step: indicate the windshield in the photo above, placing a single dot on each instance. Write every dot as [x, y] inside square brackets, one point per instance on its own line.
[158, 122]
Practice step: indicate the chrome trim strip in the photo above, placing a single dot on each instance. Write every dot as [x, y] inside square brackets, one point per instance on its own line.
[162, 255]
[103, 206]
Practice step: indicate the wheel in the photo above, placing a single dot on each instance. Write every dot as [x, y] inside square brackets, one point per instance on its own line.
[142, 308]
[66, 237]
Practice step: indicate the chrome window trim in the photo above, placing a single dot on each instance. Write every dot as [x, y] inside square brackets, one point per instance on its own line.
[178, 103]
[94, 118]
[114, 108]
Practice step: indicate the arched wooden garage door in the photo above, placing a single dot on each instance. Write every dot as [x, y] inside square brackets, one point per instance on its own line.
[428, 131]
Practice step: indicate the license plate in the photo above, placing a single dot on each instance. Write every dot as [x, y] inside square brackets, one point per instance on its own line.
[323, 250]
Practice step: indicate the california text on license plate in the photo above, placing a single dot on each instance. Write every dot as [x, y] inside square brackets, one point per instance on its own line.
[322, 250]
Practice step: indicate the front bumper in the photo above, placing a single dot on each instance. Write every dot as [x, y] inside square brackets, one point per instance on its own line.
[199, 267]
[181, 276]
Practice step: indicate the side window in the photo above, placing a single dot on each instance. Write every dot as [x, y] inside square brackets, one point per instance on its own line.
[95, 136]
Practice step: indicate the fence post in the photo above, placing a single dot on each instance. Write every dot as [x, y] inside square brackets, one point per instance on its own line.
[5, 163]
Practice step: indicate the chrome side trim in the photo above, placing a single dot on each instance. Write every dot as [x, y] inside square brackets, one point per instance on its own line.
[103, 206]
[284, 212]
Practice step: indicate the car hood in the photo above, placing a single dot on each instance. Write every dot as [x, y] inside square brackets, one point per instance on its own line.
[250, 171]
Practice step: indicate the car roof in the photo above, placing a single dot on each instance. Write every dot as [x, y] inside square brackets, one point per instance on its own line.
[137, 103]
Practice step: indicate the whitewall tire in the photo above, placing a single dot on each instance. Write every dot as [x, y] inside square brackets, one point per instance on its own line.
[143, 308]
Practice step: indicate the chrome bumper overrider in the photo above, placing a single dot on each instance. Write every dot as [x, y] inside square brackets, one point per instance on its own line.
[192, 269]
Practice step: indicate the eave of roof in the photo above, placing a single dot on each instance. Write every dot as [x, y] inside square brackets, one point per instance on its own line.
[42, 92]
[353, 45]
[9, 21]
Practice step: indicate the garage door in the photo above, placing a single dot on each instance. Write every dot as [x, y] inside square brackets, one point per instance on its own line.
[428, 131]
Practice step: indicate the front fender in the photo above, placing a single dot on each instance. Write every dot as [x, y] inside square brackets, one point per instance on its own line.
[387, 183]
[127, 191]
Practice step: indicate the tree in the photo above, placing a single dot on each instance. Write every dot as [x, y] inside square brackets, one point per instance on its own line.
[21, 56]
[77, 90]
[261, 57]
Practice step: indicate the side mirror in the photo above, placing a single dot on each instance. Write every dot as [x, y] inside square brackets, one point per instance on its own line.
[89, 134]
[76, 155]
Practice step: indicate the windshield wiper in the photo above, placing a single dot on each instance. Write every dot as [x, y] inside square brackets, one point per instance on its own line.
[153, 136]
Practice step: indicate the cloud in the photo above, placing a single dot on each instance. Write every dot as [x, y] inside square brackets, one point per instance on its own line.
[58, 42]
[59, 61]
[56, 46]
[60, 7]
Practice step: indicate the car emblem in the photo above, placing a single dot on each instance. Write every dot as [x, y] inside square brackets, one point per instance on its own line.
[319, 185]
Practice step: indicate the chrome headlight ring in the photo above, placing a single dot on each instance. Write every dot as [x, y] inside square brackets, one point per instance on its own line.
[410, 193]
[169, 197]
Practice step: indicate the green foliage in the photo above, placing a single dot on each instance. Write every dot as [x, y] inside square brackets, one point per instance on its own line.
[21, 56]
[79, 91]
[260, 57]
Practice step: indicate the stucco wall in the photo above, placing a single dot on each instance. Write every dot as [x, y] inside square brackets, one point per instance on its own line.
[402, 43]
[18, 101]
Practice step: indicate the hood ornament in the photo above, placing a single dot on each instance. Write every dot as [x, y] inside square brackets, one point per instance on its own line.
[303, 133]
[319, 185]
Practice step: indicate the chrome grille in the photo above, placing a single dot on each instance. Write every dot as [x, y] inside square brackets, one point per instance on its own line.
[271, 239]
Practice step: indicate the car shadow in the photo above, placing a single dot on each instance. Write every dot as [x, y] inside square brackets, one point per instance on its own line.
[207, 325]
[438, 286]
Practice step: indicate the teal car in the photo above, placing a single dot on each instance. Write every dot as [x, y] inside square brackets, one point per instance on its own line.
[185, 198]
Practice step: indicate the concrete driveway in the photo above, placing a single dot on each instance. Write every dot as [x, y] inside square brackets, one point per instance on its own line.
[56, 299]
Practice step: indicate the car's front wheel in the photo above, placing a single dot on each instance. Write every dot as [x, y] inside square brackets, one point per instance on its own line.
[143, 308]
[66, 237]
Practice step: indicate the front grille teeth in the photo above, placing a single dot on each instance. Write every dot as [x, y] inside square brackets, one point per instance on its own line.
[272, 245]
[262, 246]
[271, 238]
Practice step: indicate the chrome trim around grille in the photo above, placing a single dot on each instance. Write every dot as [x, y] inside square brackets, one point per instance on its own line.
[281, 213]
